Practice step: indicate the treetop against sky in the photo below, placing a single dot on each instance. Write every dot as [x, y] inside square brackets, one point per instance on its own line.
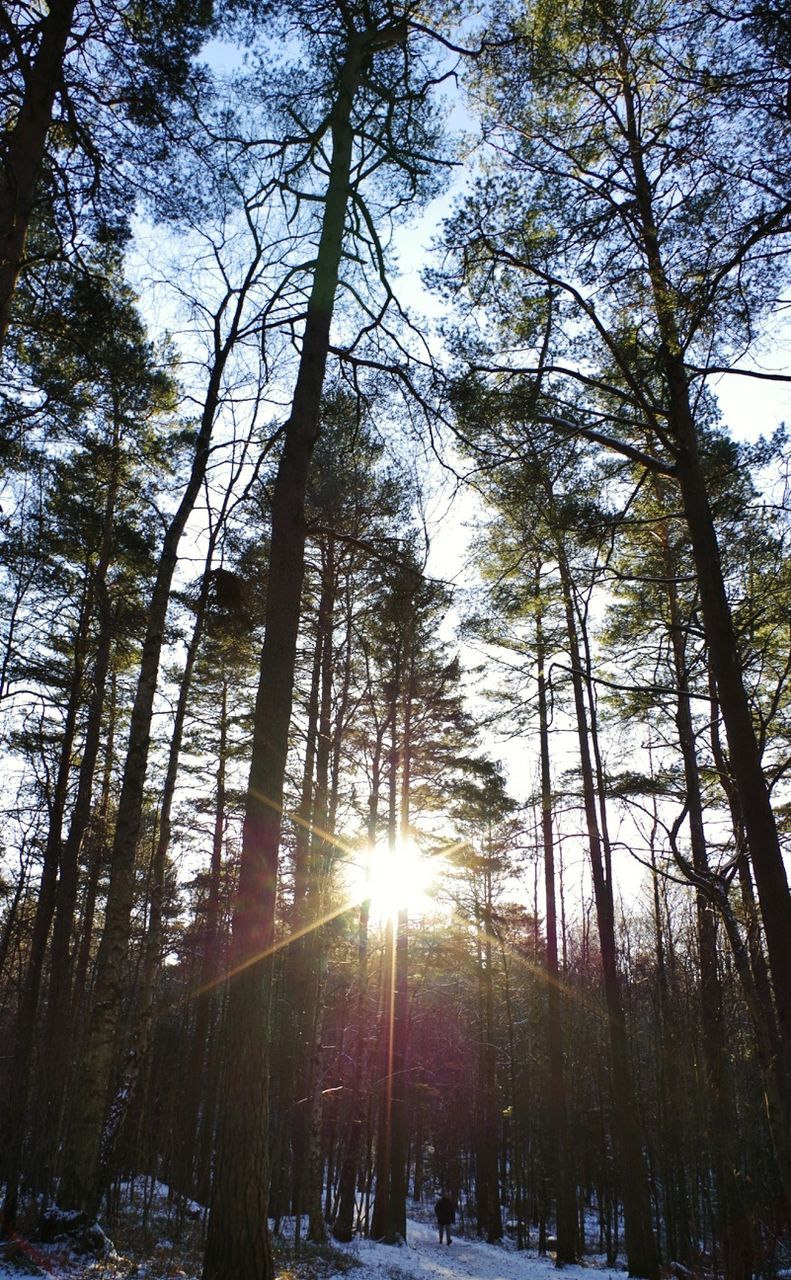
[413, 447]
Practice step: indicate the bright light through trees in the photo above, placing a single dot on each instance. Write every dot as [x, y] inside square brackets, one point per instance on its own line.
[404, 879]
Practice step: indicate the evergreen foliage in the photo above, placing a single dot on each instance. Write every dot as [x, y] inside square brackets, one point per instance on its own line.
[245, 715]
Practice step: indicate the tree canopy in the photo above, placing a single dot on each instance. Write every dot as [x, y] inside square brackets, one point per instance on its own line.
[336, 871]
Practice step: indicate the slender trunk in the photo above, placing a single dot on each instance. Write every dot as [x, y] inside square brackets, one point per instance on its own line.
[136, 1063]
[380, 1224]
[22, 162]
[322, 856]
[673, 1165]
[305, 818]
[669, 1162]
[558, 1107]
[98, 856]
[383, 1224]
[750, 781]
[488, 1171]
[20, 886]
[417, 1177]
[760, 972]
[733, 1220]
[641, 1249]
[342, 703]
[57, 1033]
[81, 1183]
[237, 1246]
[58, 1036]
[292, 1055]
[399, 1152]
[205, 995]
[29, 566]
[516, 1144]
[137, 1055]
[16, 1118]
[396, 1226]
[306, 961]
[343, 1227]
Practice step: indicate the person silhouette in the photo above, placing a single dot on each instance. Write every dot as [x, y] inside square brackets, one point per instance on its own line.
[446, 1214]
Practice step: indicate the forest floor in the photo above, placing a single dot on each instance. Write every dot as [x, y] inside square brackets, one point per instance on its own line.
[147, 1244]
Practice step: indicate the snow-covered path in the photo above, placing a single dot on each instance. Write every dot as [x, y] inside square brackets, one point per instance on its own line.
[423, 1258]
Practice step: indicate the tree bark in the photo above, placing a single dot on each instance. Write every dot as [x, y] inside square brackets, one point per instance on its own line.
[732, 1216]
[383, 1224]
[16, 1111]
[488, 1138]
[205, 996]
[641, 1249]
[58, 1033]
[81, 1182]
[558, 1108]
[321, 859]
[237, 1246]
[22, 162]
[758, 816]
[343, 1226]
[289, 1084]
[734, 1223]
[399, 1151]
[137, 1055]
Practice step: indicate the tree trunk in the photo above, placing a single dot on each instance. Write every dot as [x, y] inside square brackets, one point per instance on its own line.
[558, 1109]
[641, 1250]
[137, 1054]
[57, 1036]
[380, 1217]
[237, 1246]
[16, 1118]
[322, 856]
[734, 1228]
[760, 973]
[98, 856]
[20, 885]
[488, 1171]
[383, 1226]
[206, 995]
[399, 1150]
[289, 1083]
[58, 1030]
[24, 155]
[343, 1227]
[81, 1183]
[758, 817]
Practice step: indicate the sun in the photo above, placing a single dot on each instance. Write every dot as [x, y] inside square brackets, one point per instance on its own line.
[397, 880]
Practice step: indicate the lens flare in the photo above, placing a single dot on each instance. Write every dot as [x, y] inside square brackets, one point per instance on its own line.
[399, 879]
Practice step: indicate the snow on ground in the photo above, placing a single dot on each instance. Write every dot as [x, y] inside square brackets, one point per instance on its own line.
[421, 1258]
[424, 1258]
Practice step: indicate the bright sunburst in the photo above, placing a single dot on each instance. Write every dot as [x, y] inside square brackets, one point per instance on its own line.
[398, 880]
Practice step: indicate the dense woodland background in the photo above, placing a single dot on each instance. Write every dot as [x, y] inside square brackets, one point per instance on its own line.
[231, 671]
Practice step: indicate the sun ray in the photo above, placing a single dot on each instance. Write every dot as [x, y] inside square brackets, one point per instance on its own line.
[392, 880]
